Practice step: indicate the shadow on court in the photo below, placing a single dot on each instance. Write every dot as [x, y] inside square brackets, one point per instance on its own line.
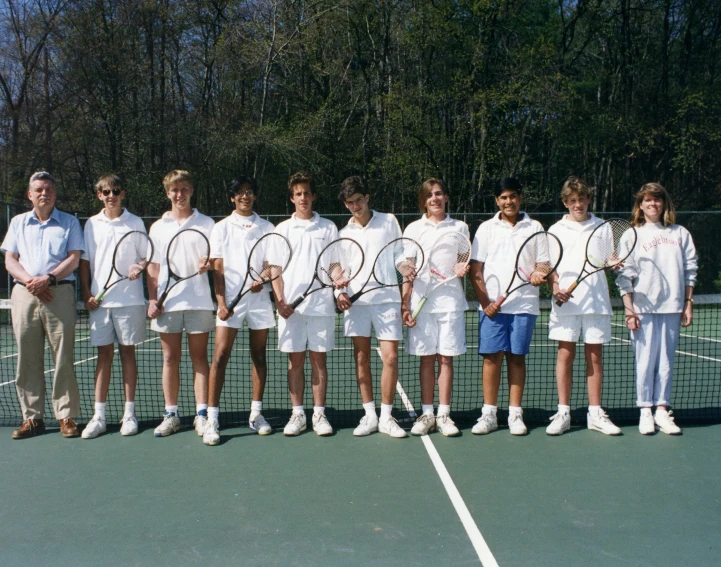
[578, 499]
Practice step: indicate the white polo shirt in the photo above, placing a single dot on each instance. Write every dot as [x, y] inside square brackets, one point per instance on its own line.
[101, 236]
[447, 297]
[192, 294]
[496, 245]
[307, 238]
[232, 240]
[591, 295]
[380, 230]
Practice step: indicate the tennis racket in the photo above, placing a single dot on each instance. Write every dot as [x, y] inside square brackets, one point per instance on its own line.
[131, 256]
[337, 264]
[447, 260]
[268, 259]
[188, 252]
[540, 253]
[604, 250]
[398, 262]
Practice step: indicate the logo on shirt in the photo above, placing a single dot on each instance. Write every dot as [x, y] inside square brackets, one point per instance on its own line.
[658, 240]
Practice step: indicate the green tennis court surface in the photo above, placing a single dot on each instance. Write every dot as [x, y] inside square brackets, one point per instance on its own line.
[696, 392]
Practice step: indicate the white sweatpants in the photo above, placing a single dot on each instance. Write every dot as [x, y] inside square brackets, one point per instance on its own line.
[654, 346]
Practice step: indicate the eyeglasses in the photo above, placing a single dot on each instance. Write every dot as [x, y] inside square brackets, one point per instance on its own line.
[115, 192]
[245, 192]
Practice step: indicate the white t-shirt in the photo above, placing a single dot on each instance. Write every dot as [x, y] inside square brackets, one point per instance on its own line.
[307, 238]
[591, 295]
[232, 240]
[192, 294]
[496, 246]
[447, 297]
[380, 230]
[661, 265]
[101, 236]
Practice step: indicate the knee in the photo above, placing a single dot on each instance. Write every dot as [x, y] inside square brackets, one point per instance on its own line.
[362, 358]
[391, 359]
[258, 357]
[221, 357]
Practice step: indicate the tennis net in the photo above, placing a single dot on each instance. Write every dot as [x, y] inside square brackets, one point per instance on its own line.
[696, 390]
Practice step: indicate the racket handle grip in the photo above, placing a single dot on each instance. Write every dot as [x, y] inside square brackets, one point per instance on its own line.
[417, 310]
[230, 306]
[570, 289]
[500, 300]
[100, 295]
[355, 296]
[297, 302]
[162, 298]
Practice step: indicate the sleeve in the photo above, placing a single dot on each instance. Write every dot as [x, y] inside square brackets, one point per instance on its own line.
[690, 258]
[479, 250]
[464, 230]
[75, 236]
[87, 239]
[216, 241]
[395, 230]
[626, 275]
[10, 242]
[157, 244]
[332, 232]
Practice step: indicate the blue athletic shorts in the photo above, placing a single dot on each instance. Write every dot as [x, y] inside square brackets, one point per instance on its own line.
[505, 333]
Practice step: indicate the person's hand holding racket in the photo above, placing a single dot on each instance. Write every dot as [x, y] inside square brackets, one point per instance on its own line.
[447, 260]
[398, 262]
[268, 259]
[603, 251]
[337, 265]
[187, 256]
[131, 257]
[537, 258]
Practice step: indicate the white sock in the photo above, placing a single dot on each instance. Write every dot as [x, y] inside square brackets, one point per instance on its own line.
[514, 409]
[566, 409]
[100, 410]
[213, 414]
[256, 408]
[594, 410]
[201, 407]
[443, 410]
[318, 409]
[129, 408]
[488, 409]
[386, 410]
[427, 409]
[299, 409]
[370, 408]
[659, 410]
[172, 409]
[646, 411]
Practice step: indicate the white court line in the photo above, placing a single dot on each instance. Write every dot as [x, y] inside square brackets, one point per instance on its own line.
[474, 534]
[685, 335]
[6, 383]
[693, 354]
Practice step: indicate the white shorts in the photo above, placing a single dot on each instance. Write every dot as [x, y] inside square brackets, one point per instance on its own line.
[438, 333]
[384, 318]
[567, 328]
[193, 321]
[256, 319]
[122, 325]
[301, 332]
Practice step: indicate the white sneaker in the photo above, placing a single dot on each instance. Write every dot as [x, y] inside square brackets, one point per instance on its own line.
[129, 425]
[446, 426]
[211, 435]
[199, 423]
[95, 427]
[602, 423]
[368, 424]
[260, 425]
[170, 425]
[516, 425]
[295, 425]
[424, 424]
[664, 421]
[486, 423]
[390, 426]
[321, 425]
[646, 425]
[560, 423]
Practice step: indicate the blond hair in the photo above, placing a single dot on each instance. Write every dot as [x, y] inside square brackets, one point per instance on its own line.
[175, 176]
[575, 185]
[108, 181]
[655, 190]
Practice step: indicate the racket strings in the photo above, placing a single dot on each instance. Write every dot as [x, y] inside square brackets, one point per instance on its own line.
[133, 253]
[269, 258]
[448, 256]
[540, 254]
[187, 252]
[339, 262]
[398, 262]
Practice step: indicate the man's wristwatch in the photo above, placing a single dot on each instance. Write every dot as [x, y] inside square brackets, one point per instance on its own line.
[53, 280]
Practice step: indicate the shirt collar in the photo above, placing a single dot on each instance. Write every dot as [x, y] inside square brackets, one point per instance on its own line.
[167, 218]
[104, 218]
[244, 222]
[522, 218]
[427, 221]
[55, 215]
[580, 226]
[353, 224]
[300, 222]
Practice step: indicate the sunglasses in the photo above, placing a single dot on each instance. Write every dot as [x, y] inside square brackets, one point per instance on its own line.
[115, 192]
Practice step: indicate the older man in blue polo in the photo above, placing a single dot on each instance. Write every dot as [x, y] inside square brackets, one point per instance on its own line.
[42, 250]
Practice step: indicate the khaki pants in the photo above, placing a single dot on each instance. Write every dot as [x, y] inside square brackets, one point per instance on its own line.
[34, 320]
